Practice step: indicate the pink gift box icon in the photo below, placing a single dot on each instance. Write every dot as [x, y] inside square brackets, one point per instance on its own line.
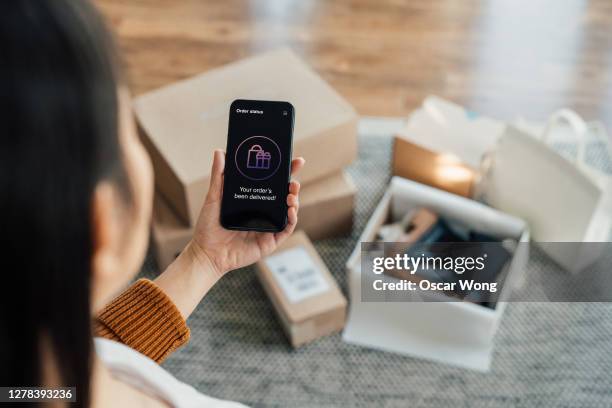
[257, 158]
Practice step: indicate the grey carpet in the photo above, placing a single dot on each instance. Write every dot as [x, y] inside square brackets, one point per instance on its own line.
[546, 354]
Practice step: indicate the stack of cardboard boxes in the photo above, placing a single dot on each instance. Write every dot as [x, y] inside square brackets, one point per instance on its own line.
[181, 124]
[184, 122]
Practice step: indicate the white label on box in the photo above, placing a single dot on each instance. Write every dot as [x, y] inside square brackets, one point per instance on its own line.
[297, 274]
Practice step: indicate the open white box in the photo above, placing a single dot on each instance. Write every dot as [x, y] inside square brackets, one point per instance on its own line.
[458, 333]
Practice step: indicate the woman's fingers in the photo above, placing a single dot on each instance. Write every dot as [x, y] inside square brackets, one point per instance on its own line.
[216, 176]
[294, 187]
[293, 201]
[292, 217]
[294, 204]
[291, 222]
[297, 164]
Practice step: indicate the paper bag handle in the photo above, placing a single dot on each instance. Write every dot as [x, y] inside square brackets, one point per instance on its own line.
[576, 123]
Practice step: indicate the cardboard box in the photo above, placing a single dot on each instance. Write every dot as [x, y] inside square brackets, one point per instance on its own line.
[326, 206]
[458, 333]
[441, 170]
[305, 296]
[184, 122]
[442, 146]
[170, 235]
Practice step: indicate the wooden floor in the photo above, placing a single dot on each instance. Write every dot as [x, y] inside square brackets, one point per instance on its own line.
[500, 57]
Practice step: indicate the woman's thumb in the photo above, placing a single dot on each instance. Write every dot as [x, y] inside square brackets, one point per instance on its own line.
[216, 176]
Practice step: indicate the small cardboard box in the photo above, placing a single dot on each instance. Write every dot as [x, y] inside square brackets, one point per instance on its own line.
[458, 333]
[184, 122]
[326, 206]
[442, 146]
[170, 235]
[305, 296]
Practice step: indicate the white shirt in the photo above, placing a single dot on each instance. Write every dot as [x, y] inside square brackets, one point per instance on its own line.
[139, 371]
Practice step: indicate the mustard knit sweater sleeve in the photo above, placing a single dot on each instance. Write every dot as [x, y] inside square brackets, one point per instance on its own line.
[144, 318]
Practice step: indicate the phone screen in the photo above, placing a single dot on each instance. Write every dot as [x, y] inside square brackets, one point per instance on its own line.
[257, 165]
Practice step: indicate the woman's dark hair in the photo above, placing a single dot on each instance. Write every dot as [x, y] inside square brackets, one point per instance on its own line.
[58, 139]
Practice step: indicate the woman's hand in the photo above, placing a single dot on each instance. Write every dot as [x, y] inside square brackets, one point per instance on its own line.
[214, 250]
[226, 249]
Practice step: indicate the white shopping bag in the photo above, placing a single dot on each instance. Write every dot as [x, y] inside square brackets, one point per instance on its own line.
[562, 200]
[600, 168]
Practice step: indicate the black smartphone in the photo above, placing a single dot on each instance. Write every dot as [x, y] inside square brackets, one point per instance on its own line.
[257, 165]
